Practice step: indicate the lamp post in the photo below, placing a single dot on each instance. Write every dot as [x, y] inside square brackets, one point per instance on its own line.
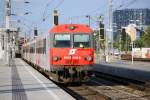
[89, 18]
[109, 30]
[7, 26]
[110, 22]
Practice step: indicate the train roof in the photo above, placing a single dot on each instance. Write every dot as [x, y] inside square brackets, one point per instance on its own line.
[35, 40]
[71, 28]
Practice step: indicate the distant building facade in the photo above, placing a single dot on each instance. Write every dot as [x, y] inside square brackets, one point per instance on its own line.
[139, 17]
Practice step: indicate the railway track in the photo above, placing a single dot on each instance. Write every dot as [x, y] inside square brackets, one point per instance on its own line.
[107, 87]
[84, 92]
[139, 85]
[118, 91]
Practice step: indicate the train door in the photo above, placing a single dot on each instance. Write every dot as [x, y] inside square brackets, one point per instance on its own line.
[40, 53]
[48, 46]
[37, 52]
[44, 53]
[34, 52]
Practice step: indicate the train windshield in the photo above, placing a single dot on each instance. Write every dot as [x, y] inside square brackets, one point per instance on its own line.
[62, 40]
[81, 41]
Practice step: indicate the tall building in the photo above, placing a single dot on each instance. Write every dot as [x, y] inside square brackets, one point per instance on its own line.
[139, 17]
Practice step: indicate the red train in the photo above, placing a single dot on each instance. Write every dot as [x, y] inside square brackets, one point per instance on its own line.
[66, 54]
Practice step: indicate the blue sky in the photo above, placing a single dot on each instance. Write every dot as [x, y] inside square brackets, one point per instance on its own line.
[75, 9]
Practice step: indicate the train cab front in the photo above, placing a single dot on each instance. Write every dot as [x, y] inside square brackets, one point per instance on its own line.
[73, 55]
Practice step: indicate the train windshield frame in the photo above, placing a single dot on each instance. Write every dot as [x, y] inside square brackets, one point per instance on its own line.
[62, 40]
[81, 40]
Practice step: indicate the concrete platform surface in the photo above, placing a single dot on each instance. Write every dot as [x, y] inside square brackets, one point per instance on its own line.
[19, 81]
[138, 70]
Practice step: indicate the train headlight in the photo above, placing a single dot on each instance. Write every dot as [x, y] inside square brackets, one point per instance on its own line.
[72, 27]
[89, 58]
[55, 58]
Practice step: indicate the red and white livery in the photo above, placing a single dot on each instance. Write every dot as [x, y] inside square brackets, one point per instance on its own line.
[66, 54]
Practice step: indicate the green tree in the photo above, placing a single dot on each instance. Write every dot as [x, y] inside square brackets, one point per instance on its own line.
[143, 41]
[117, 41]
[139, 43]
[146, 37]
[122, 40]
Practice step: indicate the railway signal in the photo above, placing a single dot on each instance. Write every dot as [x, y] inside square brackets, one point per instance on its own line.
[101, 25]
[35, 32]
[56, 19]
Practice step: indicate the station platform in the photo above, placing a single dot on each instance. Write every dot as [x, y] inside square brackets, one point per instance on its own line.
[138, 70]
[19, 81]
